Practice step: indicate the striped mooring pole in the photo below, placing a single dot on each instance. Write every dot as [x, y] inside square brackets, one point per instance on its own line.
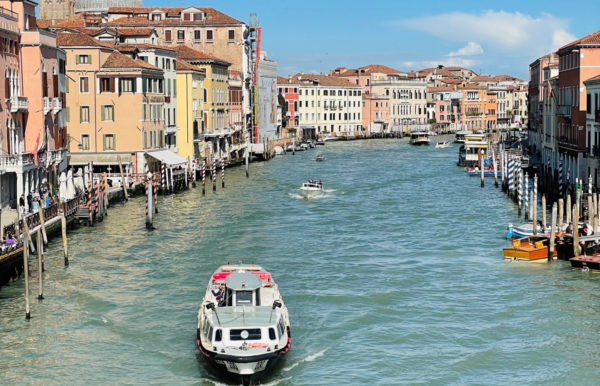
[149, 198]
[163, 181]
[89, 204]
[203, 177]
[520, 203]
[155, 191]
[222, 172]
[214, 175]
[526, 205]
[511, 177]
[535, 191]
[560, 179]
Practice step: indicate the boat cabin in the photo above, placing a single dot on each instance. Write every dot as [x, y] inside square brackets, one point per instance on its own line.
[312, 184]
[470, 151]
[460, 135]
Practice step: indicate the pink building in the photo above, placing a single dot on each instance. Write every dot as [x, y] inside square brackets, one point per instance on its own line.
[289, 92]
[34, 137]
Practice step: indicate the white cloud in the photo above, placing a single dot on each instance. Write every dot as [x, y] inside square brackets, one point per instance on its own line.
[497, 30]
[471, 48]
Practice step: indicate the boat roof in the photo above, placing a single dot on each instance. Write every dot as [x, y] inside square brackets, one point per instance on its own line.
[465, 132]
[244, 316]
[242, 281]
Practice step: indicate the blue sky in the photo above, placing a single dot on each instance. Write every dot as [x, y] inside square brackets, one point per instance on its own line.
[491, 38]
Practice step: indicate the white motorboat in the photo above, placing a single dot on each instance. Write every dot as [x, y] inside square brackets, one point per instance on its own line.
[329, 138]
[442, 145]
[311, 188]
[419, 138]
[304, 146]
[243, 323]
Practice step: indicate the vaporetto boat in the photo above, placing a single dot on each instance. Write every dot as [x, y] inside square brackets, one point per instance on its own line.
[243, 323]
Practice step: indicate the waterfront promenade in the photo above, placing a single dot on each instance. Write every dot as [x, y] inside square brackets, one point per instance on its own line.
[401, 260]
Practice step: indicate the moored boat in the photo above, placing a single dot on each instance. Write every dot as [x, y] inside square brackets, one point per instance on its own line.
[586, 262]
[532, 249]
[243, 323]
[460, 136]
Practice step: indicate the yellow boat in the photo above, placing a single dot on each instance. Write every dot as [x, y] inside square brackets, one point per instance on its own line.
[532, 249]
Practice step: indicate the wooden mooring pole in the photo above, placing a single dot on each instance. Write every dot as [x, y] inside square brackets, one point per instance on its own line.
[561, 214]
[544, 213]
[123, 182]
[43, 224]
[568, 209]
[40, 265]
[63, 226]
[552, 234]
[576, 251]
[25, 238]
[149, 198]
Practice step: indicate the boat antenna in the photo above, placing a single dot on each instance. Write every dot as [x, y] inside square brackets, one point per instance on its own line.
[276, 303]
[211, 306]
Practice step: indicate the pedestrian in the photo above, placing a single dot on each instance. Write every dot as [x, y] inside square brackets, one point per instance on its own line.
[22, 203]
[29, 200]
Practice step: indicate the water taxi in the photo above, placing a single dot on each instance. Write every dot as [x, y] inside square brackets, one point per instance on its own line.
[419, 138]
[459, 136]
[311, 188]
[442, 145]
[470, 151]
[532, 249]
[243, 323]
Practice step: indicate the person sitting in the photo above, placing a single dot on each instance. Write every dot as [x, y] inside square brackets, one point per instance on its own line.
[220, 294]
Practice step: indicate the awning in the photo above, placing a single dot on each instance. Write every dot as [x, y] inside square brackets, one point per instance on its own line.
[167, 157]
[100, 159]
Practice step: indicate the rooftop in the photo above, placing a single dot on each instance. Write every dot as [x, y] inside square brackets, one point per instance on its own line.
[118, 60]
[323, 80]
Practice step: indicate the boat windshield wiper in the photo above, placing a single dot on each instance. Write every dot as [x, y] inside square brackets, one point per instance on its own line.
[276, 303]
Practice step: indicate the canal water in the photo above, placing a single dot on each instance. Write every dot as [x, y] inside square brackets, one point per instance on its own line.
[395, 276]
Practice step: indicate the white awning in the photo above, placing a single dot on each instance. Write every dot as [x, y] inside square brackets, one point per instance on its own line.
[167, 157]
[99, 159]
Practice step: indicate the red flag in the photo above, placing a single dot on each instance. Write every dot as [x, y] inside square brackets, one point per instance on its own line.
[549, 89]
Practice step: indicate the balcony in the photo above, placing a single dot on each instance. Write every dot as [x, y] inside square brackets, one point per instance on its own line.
[18, 104]
[56, 105]
[15, 162]
[564, 111]
[47, 105]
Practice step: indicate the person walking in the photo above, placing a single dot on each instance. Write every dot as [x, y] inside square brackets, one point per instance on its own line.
[22, 203]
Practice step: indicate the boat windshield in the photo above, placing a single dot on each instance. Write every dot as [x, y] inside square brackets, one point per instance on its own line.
[243, 298]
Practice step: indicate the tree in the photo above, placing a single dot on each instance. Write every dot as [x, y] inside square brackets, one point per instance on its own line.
[284, 109]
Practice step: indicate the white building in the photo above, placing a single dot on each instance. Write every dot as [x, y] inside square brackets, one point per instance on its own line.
[328, 104]
[593, 127]
[408, 100]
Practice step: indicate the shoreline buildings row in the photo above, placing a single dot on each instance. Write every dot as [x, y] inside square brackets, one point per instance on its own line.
[564, 103]
[114, 83]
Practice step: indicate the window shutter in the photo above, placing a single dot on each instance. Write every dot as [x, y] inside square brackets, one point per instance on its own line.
[134, 85]
[80, 114]
[7, 87]
[89, 59]
[175, 89]
[104, 142]
[67, 84]
[77, 59]
[111, 84]
[145, 140]
[103, 112]
[144, 85]
[68, 114]
[114, 144]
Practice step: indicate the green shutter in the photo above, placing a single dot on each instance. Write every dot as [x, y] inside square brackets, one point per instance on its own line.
[103, 108]
[144, 85]
[145, 140]
[89, 59]
[134, 86]
[175, 89]
[81, 115]
[67, 84]
[114, 142]
[68, 111]
[104, 142]
[77, 59]
[113, 112]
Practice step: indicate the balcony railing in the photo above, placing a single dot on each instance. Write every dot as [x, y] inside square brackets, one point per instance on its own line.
[15, 160]
[56, 105]
[47, 105]
[18, 104]
[564, 110]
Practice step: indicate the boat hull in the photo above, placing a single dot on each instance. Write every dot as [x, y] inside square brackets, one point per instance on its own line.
[534, 256]
[586, 262]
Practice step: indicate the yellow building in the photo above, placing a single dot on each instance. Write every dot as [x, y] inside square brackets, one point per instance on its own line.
[216, 131]
[190, 102]
[114, 104]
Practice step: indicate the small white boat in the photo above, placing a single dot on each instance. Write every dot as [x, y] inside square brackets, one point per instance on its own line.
[328, 138]
[243, 324]
[304, 146]
[278, 150]
[320, 157]
[442, 144]
[311, 188]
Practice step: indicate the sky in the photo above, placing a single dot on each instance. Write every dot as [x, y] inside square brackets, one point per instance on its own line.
[488, 37]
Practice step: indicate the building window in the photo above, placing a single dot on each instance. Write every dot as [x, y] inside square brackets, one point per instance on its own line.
[209, 35]
[231, 35]
[168, 36]
[84, 59]
[84, 114]
[197, 35]
[180, 34]
[127, 85]
[109, 142]
[84, 84]
[107, 85]
[85, 142]
[198, 16]
[108, 113]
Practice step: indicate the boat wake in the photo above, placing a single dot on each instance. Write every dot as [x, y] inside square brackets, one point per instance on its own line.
[325, 194]
[309, 358]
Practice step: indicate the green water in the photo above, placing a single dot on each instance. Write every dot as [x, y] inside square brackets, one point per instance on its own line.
[395, 276]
